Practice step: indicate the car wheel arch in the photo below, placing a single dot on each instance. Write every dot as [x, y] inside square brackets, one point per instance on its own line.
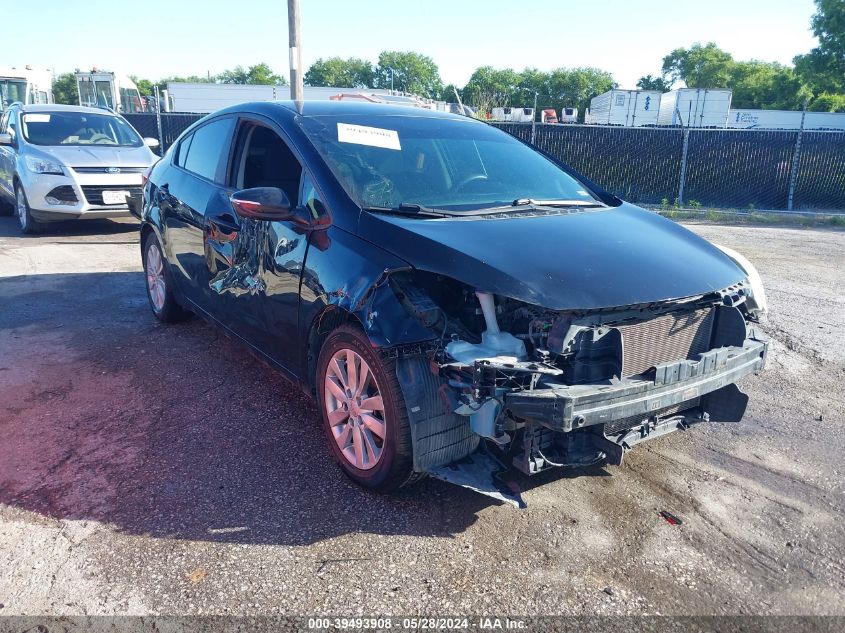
[322, 325]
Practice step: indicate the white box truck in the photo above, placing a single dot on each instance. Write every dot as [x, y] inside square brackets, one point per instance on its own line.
[695, 107]
[824, 121]
[764, 119]
[569, 115]
[785, 120]
[631, 108]
[26, 85]
[514, 115]
[208, 97]
[105, 88]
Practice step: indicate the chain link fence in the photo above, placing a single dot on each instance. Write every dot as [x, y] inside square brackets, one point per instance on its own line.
[820, 181]
[736, 169]
[172, 125]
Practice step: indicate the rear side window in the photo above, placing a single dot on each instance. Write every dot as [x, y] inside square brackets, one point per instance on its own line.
[207, 148]
[182, 150]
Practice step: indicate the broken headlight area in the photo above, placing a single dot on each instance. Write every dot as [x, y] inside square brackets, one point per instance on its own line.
[549, 389]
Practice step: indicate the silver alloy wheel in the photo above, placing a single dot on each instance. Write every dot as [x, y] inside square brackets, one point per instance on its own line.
[155, 276]
[355, 409]
[21, 208]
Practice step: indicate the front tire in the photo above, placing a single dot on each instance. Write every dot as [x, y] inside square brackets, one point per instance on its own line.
[159, 287]
[29, 225]
[363, 412]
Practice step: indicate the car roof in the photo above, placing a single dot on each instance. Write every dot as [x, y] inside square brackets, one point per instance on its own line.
[56, 107]
[289, 109]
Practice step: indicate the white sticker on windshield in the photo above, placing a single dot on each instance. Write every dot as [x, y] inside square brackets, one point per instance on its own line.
[36, 118]
[363, 135]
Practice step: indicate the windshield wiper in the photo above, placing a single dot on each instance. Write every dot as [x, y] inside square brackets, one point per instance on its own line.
[531, 202]
[410, 209]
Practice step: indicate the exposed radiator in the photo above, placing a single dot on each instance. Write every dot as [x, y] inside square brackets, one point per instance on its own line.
[666, 338]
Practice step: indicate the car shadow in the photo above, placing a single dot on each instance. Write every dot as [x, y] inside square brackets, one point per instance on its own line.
[174, 431]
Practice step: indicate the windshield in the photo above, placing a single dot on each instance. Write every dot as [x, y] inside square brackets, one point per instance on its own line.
[447, 164]
[10, 91]
[78, 128]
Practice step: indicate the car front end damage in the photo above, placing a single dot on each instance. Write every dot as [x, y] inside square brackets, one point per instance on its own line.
[509, 385]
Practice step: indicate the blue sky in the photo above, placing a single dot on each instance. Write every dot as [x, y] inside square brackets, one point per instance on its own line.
[156, 38]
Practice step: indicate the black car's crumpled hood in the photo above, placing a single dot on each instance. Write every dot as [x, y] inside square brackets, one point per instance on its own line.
[584, 260]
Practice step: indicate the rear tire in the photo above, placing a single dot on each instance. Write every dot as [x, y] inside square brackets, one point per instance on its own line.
[159, 285]
[28, 224]
[358, 406]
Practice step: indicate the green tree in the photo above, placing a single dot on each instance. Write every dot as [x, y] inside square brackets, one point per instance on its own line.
[649, 82]
[190, 79]
[699, 66]
[447, 93]
[408, 72]
[575, 87]
[823, 68]
[65, 90]
[490, 88]
[340, 73]
[259, 74]
[828, 102]
[145, 86]
[532, 80]
[764, 85]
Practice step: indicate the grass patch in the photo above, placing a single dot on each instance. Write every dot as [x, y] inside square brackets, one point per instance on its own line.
[752, 217]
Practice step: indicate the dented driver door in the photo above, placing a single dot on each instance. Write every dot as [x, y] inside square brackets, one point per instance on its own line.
[254, 266]
[254, 269]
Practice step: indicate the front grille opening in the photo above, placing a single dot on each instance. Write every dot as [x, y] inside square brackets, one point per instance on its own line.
[664, 339]
[94, 193]
[63, 194]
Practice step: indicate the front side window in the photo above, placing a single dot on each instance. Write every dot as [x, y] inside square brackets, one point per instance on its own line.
[11, 90]
[209, 145]
[182, 150]
[453, 165]
[130, 100]
[104, 94]
[87, 94]
[310, 199]
[78, 128]
[265, 160]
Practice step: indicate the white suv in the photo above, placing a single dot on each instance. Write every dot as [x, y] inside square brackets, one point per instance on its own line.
[70, 162]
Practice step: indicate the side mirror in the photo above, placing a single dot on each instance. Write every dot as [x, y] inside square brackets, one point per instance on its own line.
[6, 139]
[262, 203]
[152, 143]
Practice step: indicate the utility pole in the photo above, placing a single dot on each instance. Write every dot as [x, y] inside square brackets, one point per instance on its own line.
[296, 91]
[534, 121]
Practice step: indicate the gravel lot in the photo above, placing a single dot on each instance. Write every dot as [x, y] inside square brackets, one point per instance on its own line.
[149, 469]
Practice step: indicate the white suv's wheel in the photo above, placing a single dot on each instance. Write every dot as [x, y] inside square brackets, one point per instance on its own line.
[28, 224]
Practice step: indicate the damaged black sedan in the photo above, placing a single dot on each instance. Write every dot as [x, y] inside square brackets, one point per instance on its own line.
[457, 302]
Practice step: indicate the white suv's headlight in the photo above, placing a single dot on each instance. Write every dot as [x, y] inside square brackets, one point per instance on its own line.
[43, 166]
[757, 304]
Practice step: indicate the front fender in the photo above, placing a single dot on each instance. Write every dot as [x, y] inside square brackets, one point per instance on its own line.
[349, 274]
